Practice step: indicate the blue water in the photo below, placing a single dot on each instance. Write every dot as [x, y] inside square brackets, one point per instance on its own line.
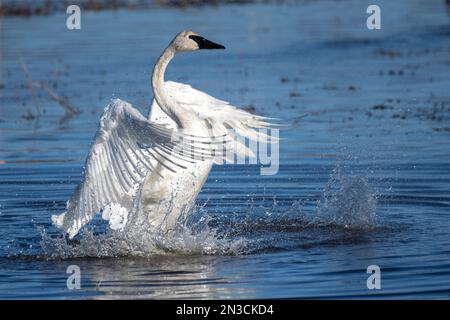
[363, 178]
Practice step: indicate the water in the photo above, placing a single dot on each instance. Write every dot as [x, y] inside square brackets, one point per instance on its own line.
[363, 178]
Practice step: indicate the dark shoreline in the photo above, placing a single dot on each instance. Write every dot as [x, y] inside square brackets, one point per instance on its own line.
[26, 8]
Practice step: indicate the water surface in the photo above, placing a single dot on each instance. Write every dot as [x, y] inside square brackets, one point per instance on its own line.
[363, 178]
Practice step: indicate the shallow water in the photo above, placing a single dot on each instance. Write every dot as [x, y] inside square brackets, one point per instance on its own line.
[363, 178]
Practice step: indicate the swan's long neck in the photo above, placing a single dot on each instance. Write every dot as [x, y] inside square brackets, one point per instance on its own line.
[165, 102]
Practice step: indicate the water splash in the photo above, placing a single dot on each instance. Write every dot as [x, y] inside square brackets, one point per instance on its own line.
[348, 201]
[143, 241]
[347, 204]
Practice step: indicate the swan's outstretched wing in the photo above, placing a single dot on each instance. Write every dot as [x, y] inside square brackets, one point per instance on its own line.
[222, 118]
[126, 147]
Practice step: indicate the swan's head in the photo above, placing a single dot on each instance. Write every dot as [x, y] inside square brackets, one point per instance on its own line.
[190, 41]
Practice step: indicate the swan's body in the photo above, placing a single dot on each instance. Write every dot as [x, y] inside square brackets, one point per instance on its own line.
[134, 173]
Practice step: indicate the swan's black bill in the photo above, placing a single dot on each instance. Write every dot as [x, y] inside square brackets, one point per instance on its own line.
[205, 43]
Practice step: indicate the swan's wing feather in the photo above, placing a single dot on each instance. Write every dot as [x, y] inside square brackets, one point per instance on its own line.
[222, 117]
[126, 147]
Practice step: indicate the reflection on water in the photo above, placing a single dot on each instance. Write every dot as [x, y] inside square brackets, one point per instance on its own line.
[363, 179]
[189, 277]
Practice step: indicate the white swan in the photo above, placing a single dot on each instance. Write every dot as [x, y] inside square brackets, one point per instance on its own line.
[134, 173]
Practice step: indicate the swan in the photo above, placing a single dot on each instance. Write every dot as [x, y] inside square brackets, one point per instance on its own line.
[135, 173]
